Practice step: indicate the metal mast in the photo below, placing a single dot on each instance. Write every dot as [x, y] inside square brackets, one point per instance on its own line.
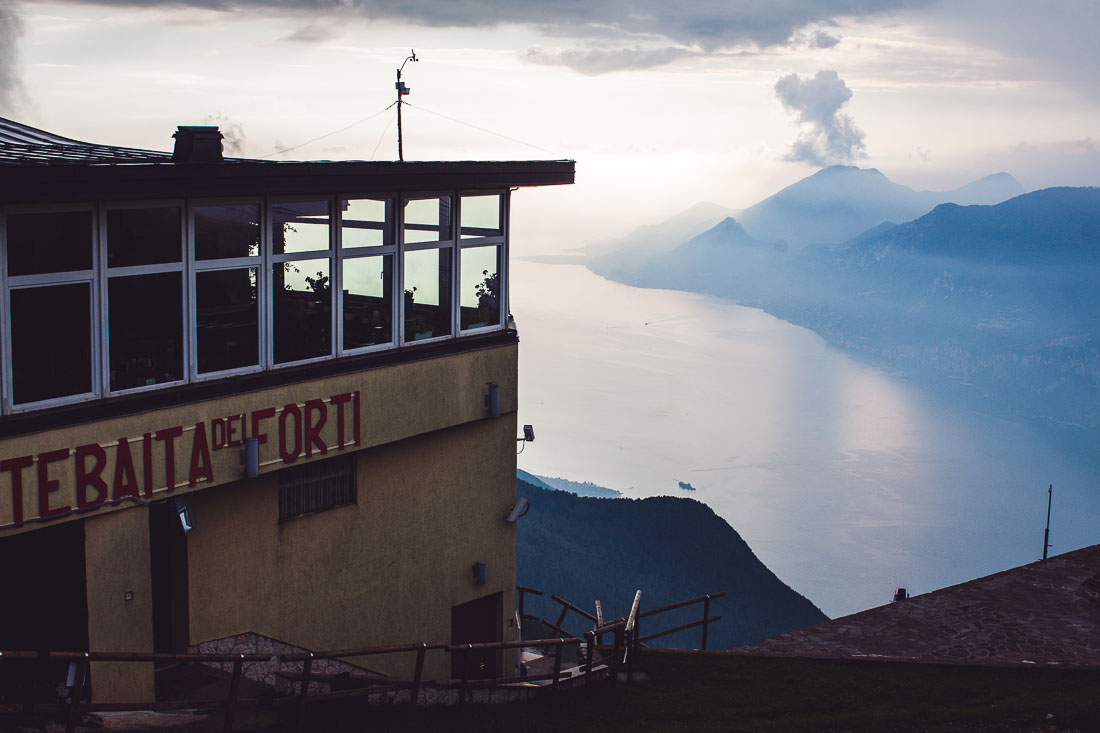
[402, 90]
[1046, 533]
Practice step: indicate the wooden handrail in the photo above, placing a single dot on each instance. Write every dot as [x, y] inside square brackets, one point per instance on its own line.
[681, 604]
[364, 652]
[692, 625]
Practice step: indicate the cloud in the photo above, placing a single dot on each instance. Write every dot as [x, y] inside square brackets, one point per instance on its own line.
[594, 61]
[312, 33]
[233, 137]
[11, 32]
[821, 39]
[831, 137]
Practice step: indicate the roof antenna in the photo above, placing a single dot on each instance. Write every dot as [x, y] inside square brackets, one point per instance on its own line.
[402, 90]
[1046, 533]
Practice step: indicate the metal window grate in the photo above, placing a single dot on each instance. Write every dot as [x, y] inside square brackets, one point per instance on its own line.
[316, 486]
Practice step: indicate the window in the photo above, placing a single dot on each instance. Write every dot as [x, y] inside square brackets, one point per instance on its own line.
[144, 296]
[226, 287]
[316, 486]
[52, 321]
[116, 298]
[429, 252]
[301, 281]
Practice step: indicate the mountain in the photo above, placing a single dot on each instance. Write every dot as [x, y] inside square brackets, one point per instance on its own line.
[583, 549]
[652, 239]
[838, 202]
[993, 304]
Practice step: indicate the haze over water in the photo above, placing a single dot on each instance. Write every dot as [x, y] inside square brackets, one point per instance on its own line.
[844, 480]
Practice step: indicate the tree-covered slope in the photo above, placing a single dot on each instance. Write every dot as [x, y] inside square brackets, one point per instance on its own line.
[584, 549]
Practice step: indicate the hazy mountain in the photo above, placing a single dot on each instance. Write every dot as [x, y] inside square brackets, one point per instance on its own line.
[672, 548]
[998, 305]
[652, 239]
[838, 202]
[580, 488]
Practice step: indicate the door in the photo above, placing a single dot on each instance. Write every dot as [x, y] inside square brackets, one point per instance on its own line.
[168, 565]
[477, 622]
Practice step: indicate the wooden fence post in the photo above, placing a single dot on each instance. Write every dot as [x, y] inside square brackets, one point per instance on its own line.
[414, 693]
[617, 648]
[234, 686]
[557, 664]
[706, 617]
[76, 693]
[307, 669]
[590, 640]
[465, 674]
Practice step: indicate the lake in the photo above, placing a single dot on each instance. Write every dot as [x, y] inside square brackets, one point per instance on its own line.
[846, 481]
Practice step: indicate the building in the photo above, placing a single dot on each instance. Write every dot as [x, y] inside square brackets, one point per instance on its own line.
[253, 397]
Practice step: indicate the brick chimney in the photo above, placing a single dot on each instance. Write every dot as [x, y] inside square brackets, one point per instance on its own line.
[197, 144]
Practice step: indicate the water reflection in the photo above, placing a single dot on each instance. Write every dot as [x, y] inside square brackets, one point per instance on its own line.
[844, 480]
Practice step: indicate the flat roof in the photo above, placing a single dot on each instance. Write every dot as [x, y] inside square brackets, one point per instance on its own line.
[39, 167]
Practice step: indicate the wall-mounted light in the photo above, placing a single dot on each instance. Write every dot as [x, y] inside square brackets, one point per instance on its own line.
[186, 515]
[250, 458]
[492, 400]
[528, 437]
[521, 507]
[481, 573]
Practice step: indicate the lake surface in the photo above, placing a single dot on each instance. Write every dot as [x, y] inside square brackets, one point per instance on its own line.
[846, 482]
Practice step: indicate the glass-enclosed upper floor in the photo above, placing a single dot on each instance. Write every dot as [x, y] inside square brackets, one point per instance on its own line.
[120, 297]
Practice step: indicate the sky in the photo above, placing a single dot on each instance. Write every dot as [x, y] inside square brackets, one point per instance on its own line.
[662, 105]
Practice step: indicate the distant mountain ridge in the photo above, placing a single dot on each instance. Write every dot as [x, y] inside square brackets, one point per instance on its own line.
[585, 549]
[997, 303]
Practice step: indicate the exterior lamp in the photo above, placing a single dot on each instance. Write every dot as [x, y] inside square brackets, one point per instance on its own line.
[250, 458]
[186, 515]
[492, 400]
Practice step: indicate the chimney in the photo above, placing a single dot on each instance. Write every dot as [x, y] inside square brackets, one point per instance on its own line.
[197, 144]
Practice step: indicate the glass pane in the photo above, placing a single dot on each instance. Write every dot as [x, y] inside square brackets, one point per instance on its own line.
[480, 292]
[481, 216]
[367, 223]
[302, 310]
[368, 301]
[143, 236]
[227, 231]
[145, 329]
[228, 322]
[300, 226]
[58, 241]
[428, 220]
[51, 345]
[427, 294]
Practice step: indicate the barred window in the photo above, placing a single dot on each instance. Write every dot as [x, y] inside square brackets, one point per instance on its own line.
[316, 486]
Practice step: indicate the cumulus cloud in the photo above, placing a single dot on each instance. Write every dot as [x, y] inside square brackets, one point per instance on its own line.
[828, 137]
[821, 39]
[11, 32]
[594, 61]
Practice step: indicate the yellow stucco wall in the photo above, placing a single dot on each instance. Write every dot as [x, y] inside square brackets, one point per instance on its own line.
[384, 571]
[116, 558]
[395, 402]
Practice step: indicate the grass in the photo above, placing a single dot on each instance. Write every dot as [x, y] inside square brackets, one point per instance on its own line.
[718, 692]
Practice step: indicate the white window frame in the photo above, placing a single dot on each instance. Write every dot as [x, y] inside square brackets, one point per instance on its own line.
[226, 263]
[352, 253]
[271, 259]
[105, 273]
[404, 198]
[499, 240]
[18, 282]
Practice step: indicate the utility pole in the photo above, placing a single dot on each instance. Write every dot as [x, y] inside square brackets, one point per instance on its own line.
[402, 90]
[1046, 534]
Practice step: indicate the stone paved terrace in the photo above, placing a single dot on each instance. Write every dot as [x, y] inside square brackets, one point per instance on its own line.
[1045, 613]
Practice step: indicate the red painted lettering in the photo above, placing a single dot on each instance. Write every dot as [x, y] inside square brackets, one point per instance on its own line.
[200, 457]
[90, 478]
[339, 400]
[125, 483]
[355, 415]
[217, 433]
[47, 485]
[258, 415]
[168, 437]
[16, 466]
[147, 462]
[230, 430]
[289, 456]
[313, 430]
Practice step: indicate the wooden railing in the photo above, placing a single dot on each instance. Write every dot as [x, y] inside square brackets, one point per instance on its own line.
[625, 632]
